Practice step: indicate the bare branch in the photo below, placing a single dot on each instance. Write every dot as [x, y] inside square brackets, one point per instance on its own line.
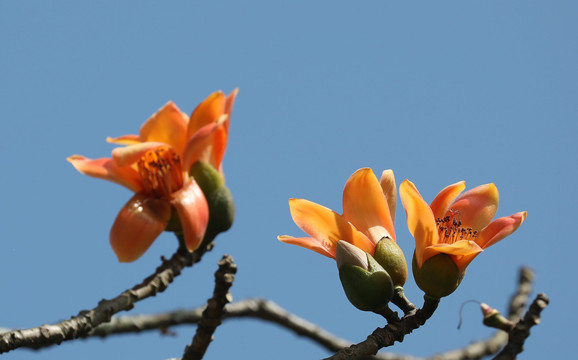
[81, 324]
[211, 317]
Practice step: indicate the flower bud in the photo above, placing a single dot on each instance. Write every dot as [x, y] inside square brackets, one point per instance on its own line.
[438, 277]
[366, 284]
[493, 318]
[389, 255]
[219, 199]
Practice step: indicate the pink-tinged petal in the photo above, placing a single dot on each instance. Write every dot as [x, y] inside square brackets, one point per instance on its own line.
[208, 111]
[500, 228]
[420, 219]
[193, 211]
[105, 168]
[440, 205]
[320, 247]
[327, 226]
[128, 155]
[365, 206]
[476, 207]
[229, 106]
[458, 250]
[137, 225]
[168, 125]
[387, 183]
[206, 144]
[124, 140]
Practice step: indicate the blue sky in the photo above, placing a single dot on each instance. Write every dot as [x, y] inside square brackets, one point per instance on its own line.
[438, 92]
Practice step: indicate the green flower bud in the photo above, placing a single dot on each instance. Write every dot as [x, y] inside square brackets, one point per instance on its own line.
[389, 255]
[366, 284]
[208, 178]
[219, 199]
[438, 277]
[493, 318]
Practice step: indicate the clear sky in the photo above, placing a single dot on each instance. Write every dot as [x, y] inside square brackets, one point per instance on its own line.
[437, 91]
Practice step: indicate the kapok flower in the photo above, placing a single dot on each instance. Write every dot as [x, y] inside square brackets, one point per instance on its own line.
[452, 231]
[155, 165]
[368, 211]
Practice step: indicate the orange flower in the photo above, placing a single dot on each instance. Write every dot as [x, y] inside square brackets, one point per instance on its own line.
[367, 216]
[459, 226]
[155, 165]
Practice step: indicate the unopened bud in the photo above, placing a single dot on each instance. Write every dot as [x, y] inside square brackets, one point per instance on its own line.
[219, 199]
[366, 284]
[389, 255]
[493, 318]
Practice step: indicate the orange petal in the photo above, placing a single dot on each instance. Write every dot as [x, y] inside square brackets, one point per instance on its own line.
[365, 206]
[124, 140]
[193, 211]
[387, 183]
[107, 169]
[326, 226]
[476, 207]
[320, 247]
[440, 205]
[168, 125]
[128, 155]
[211, 109]
[207, 145]
[457, 250]
[137, 225]
[500, 228]
[229, 106]
[420, 219]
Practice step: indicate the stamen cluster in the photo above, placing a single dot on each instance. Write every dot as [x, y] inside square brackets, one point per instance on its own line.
[161, 171]
[450, 229]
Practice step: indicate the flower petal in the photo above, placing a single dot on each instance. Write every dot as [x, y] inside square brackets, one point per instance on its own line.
[137, 225]
[326, 226]
[320, 247]
[440, 205]
[193, 211]
[124, 140]
[420, 219]
[476, 207]
[208, 111]
[387, 183]
[168, 125]
[229, 106]
[208, 144]
[458, 250]
[105, 168]
[500, 228]
[365, 206]
[128, 155]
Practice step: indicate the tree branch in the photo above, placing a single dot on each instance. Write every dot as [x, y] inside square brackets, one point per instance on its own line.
[81, 324]
[214, 311]
[269, 311]
[521, 331]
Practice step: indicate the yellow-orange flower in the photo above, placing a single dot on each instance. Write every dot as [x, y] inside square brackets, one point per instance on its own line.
[368, 211]
[155, 165]
[459, 226]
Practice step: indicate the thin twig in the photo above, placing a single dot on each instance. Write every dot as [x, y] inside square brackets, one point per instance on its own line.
[81, 324]
[214, 311]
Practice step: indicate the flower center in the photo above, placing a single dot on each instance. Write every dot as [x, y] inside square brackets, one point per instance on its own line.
[450, 229]
[161, 171]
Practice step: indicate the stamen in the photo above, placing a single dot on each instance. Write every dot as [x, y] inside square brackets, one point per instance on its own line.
[161, 171]
[450, 229]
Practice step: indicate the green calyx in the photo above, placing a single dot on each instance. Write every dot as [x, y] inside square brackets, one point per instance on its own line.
[367, 290]
[389, 255]
[219, 199]
[438, 277]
